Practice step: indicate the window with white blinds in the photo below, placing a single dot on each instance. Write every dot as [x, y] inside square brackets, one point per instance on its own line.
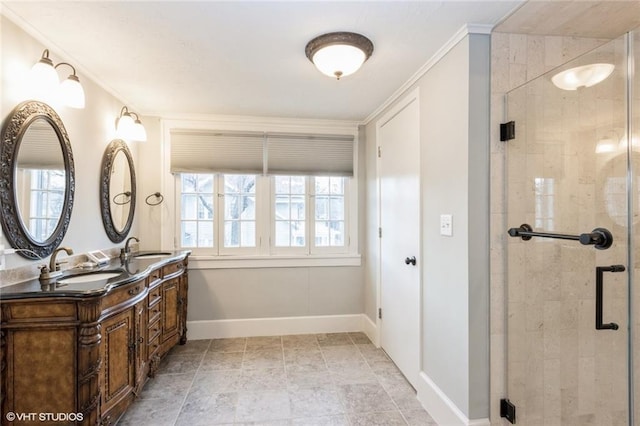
[310, 155]
[210, 151]
[261, 153]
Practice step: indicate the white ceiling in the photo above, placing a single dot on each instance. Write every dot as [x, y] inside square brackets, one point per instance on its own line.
[246, 58]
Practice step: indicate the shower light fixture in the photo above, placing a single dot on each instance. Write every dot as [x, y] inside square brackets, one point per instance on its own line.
[45, 83]
[127, 128]
[607, 144]
[339, 54]
[584, 76]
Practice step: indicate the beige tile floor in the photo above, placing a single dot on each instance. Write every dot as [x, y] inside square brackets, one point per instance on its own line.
[308, 380]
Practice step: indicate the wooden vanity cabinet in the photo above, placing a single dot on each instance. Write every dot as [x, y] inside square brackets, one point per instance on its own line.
[91, 355]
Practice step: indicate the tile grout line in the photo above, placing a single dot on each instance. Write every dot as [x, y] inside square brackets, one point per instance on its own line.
[195, 374]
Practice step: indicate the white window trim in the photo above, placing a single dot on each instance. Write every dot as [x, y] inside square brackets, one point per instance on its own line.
[272, 261]
[205, 258]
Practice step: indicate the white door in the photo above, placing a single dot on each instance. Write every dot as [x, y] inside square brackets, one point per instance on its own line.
[399, 178]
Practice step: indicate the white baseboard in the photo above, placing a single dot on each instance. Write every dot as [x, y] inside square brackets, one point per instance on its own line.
[370, 328]
[216, 329]
[441, 408]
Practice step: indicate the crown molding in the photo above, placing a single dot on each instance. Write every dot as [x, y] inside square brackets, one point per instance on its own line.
[221, 122]
[464, 31]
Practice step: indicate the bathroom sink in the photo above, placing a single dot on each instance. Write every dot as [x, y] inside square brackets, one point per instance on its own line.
[87, 278]
[154, 255]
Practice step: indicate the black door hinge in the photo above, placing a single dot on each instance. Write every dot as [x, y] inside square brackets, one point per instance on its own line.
[507, 131]
[508, 410]
[380, 313]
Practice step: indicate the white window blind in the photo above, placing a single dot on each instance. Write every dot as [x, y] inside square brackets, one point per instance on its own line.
[40, 148]
[210, 151]
[311, 155]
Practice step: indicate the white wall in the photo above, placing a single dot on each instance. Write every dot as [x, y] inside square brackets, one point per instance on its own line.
[454, 106]
[90, 131]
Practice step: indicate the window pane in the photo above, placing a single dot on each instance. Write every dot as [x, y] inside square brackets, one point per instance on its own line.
[337, 208]
[337, 233]
[205, 183]
[189, 234]
[322, 208]
[196, 210]
[248, 208]
[205, 207]
[322, 185]
[56, 201]
[297, 208]
[298, 234]
[282, 207]
[232, 207]
[189, 182]
[282, 184]
[189, 207]
[283, 235]
[290, 211]
[248, 234]
[240, 210]
[330, 211]
[232, 234]
[298, 185]
[239, 184]
[205, 234]
[337, 185]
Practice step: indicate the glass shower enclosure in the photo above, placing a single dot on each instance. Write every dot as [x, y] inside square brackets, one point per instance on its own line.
[573, 206]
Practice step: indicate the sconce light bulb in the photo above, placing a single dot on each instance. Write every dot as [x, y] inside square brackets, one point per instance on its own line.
[44, 79]
[140, 134]
[72, 92]
[125, 127]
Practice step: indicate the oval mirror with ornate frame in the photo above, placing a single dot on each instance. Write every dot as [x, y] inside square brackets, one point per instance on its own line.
[117, 190]
[37, 179]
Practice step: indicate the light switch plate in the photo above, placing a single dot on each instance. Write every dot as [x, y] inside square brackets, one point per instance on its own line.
[446, 225]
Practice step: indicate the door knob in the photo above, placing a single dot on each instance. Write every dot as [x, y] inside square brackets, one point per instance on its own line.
[410, 260]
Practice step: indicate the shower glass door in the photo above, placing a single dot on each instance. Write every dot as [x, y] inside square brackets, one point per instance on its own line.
[567, 173]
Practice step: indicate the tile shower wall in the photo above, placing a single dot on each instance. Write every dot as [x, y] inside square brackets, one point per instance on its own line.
[516, 59]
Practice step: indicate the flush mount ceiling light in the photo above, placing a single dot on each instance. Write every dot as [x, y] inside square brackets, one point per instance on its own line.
[584, 76]
[46, 84]
[339, 54]
[127, 128]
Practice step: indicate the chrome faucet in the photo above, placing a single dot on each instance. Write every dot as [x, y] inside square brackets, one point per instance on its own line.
[126, 251]
[53, 271]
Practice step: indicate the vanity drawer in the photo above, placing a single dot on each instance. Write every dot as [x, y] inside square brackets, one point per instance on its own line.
[173, 268]
[154, 331]
[154, 313]
[154, 345]
[155, 294]
[122, 294]
[154, 277]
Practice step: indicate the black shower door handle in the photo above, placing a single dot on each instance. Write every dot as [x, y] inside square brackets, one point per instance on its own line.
[600, 270]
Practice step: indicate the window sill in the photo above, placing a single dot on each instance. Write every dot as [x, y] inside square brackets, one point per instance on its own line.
[231, 262]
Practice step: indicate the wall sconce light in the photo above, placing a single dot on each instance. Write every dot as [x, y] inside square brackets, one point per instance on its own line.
[339, 54]
[129, 129]
[46, 83]
[584, 76]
